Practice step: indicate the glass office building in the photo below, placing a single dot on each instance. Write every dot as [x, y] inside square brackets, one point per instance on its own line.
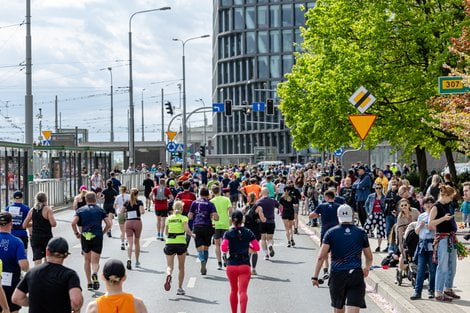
[253, 46]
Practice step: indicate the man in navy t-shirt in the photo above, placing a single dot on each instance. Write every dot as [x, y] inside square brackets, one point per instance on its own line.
[346, 242]
[19, 211]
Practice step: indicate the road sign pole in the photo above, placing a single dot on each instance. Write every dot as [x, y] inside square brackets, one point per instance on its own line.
[351, 150]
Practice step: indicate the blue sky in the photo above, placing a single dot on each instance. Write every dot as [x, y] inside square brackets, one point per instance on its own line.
[73, 40]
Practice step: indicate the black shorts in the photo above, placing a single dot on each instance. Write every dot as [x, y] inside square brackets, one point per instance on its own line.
[9, 292]
[203, 235]
[267, 228]
[109, 208]
[161, 213]
[172, 249]
[95, 244]
[255, 230]
[219, 233]
[347, 288]
[38, 245]
[288, 215]
[147, 194]
[234, 197]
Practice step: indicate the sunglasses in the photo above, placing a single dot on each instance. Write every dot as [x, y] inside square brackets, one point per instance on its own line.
[378, 188]
[403, 205]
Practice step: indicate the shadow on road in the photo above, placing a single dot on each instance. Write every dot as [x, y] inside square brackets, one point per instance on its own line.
[269, 278]
[147, 270]
[194, 299]
[285, 262]
[216, 278]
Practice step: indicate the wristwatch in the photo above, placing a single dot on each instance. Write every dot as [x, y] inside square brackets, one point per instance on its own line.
[315, 278]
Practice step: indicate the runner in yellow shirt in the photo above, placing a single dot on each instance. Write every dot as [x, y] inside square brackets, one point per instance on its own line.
[223, 205]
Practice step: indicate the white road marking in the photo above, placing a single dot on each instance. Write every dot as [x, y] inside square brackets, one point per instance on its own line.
[148, 241]
[192, 282]
[77, 246]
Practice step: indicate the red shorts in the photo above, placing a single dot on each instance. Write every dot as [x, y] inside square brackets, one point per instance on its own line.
[160, 205]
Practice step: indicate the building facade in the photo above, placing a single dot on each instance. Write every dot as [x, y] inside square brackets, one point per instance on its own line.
[253, 46]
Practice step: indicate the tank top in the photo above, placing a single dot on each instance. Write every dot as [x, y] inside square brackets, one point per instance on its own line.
[446, 226]
[133, 211]
[41, 226]
[81, 203]
[176, 233]
[120, 303]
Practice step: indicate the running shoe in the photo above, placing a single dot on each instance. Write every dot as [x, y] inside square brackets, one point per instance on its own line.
[271, 251]
[253, 272]
[167, 284]
[96, 283]
[266, 257]
[224, 259]
[123, 246]
[137, 264]
[90, 287]
[219, 266]
[203, 268]
[109, 234]
[180, 292]
[288, 244]
[430, 294]
[292, 242]
[377, 249]
[129, 265]
[326, 276]
[296, 231]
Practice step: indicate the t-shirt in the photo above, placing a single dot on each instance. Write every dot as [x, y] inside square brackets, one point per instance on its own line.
[161, 205]
[287, 206]
[425, 233]
[90, 217]
[48, 286]
[239, 242]
[175, 224]
[133, 211]
[268, 205]
[346, 242]
[234, 185]
[120, 200]
[11, 251]
[148, 184]
[202, 210]
[465, 207]
[116, 184]
[271, 188]
[253, 188]
[187, 197]
[109, 196]
[377, 207]
[18, 211]
[328, 212]
[222, 205]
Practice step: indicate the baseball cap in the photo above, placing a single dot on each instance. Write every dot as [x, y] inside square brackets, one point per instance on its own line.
[5, 218]
[58, 245]
[18, 195]
[114, 270]
[362, 167]
[171, 183]
[345, 214]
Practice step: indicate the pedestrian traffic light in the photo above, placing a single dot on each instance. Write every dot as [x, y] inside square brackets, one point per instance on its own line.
[246, 108]
[202, 151]
[281, 124]
[269, 107]
[169, 108]
[228, 107]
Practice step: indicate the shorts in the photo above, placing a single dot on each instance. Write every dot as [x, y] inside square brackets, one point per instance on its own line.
[162, 213]
[97, 189]
[219, 233]
[121, 218]
[288, 215]
[133, 228]
[255, 230]
[109, 208]
[95, 244]
[234, 198]
[25, 240]
[38, 245]
[147, 194]
[9, 292]
[203, 235]
[267, 228]
[347, 288]
[172, 249]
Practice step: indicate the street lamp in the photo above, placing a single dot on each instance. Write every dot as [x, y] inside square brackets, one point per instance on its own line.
[110, 69]
[185, 137]
[143, 114]
[131, 87]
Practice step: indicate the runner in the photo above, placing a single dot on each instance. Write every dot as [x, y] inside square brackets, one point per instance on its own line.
[148, 185]
[238, 241]
[3, 297]
[253, 216]
[115, 300]
[187, 197]
[224, 211]
[203, 212]
[51, 287]
[252, 187]
[271, 186]
[90, 218]
[116, 182]
[79, 200]
[234, 186]
[295, 194]
[346, 242]
[176, 226]
[286, 206]
[109, 198]
[160, 196]
[43, 220]
[13, 257]
[19, 211]
[133, 208]
[267, 228]
[119, 207]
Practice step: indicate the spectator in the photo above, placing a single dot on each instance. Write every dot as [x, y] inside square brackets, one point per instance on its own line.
[362, 188]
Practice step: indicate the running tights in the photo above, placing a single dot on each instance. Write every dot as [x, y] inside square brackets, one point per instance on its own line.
[239, 277]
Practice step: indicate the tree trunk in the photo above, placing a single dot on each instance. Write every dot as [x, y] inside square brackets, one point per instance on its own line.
[451, 163]
[422, 167]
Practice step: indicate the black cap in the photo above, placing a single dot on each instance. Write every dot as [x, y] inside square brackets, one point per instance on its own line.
[18, 195]
[114, 268]
[5, 218]
[362, 167]
[59, 246]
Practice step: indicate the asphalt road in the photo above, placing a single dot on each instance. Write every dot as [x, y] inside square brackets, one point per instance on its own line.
[281, 286]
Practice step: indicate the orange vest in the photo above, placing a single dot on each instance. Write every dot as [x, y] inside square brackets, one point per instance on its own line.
[120, 303]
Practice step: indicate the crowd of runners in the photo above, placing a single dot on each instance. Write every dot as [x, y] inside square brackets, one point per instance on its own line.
[234, 208]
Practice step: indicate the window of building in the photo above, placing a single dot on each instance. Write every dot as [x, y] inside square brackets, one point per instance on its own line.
[250, 42]
[261, 140]
[287, 63]
[226, 19]
[263, 70]
[251, 68]
[299, 15]
[236, 116]
[275, 14]
[281, 146]
[287, 40]
[263, 17]
[238, 2]
[219, 123]
[248, 148]
[275, 41]
[220, 74]
[242, 122]
[298, 40]
[287, 18]
[238, 19]
[225, 2]
[251, 1]
[263, 42]
[238, 44]
[225, 73]
[275, 66]
[288, 144]
[250, 18]
[226, 47]
[224, 144]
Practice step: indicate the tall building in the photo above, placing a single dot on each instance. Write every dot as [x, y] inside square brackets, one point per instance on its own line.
[253, 46]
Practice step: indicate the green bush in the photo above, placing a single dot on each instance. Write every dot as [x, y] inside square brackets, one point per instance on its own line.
[413, 178]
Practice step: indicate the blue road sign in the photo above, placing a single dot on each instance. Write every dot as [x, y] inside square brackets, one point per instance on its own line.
[171, 147]
[217, 107]
[258, 106]
[46, 142]
[179, 148]
[339, 152]
[178, 159]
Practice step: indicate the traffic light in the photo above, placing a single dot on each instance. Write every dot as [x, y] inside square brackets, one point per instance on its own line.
[202, 151]
[228, 107]
[281, 124]
[270, 107]
[246, 108]
[169, 108]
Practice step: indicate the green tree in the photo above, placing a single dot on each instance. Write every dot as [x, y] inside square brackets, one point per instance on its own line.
[395, 49]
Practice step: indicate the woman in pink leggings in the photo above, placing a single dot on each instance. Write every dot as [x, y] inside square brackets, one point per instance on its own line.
[133, 208]
[238, 241]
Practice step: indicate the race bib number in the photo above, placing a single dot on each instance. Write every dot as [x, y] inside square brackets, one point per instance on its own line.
[7, 279]
[15, 211]
[132, 214]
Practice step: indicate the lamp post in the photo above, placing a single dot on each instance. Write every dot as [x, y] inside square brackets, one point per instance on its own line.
[185, 135]
[131, 87]
[143, 114]
[110, 69]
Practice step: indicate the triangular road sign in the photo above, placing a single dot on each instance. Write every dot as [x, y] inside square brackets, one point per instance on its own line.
[171, 135]
[362, 123]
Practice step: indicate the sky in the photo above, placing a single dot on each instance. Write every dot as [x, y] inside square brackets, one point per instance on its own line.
[73, 44]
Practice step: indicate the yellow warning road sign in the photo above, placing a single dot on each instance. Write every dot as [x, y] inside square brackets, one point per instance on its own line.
[362, 99]
[362, 123]
[47, 134]
[171, 135]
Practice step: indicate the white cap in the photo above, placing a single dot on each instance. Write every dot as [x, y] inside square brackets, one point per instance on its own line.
[345, 214]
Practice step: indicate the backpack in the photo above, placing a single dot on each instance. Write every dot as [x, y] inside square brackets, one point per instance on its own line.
[249, 216]
[160, 194]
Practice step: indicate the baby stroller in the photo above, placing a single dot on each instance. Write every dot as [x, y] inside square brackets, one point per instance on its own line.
[410, 243]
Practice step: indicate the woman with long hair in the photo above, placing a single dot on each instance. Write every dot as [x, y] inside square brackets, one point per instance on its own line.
[133, 209]
[109, 195]
[43, 220]
[286, 206]
[442, 218]
[406, 216]
[238, 241]
[375, 207]
[119, 207]
[253, 216]
[176, 229]
[433, 190]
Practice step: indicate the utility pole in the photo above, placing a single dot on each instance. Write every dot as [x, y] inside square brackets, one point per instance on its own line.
[143, 114]
[110, 69]
[56, 115]
[163, 119]
[28, 112]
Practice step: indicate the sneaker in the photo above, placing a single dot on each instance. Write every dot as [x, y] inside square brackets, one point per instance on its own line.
[137, 264]
[90, 287]
[415, 297]
[315, 225]
[224, 259]
[180, 292]
[326, 276]
[292, 242]
[385, 250]
[129, 265]
[430, 294]
[296, 231]
[219, 266]
[203, 268]
[271, 251]
[96, 283]
[377, 249]
[109, 234]
[123, 246]
[288, 244]
[253, 272]
[167, 284]
[266, 257]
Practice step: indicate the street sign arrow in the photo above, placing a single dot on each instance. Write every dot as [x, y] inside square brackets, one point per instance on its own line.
[362, 123]
[217, 107]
